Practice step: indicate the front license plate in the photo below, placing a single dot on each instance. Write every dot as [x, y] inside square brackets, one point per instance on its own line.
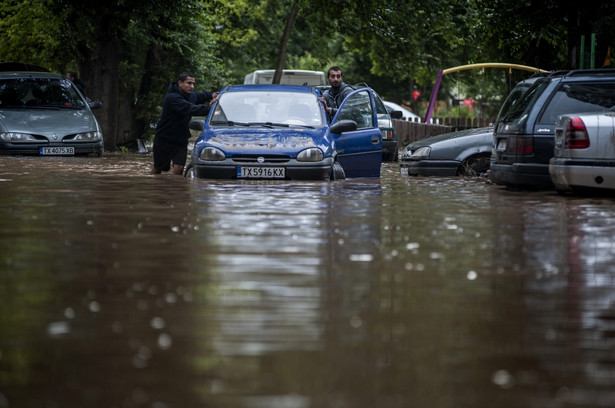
[56, 151]
[261, 172]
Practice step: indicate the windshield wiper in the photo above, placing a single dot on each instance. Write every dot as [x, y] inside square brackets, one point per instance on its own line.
[268, 124]
[54, 106]
[262, 124]
[228, 123]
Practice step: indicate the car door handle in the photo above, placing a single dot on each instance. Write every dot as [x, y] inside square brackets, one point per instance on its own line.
[375, 140]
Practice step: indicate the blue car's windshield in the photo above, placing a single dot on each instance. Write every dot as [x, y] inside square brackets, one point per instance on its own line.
[267, 108]
[39, 93]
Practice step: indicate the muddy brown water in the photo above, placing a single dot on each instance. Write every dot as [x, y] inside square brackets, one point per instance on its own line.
[119, 289]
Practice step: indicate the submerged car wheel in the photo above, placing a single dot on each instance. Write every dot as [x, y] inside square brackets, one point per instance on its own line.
[474, 166]
[338, 172]
[189, 172]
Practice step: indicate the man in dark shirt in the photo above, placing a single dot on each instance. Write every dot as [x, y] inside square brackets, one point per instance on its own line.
[172, 132]
[334, 96]
[74, 77]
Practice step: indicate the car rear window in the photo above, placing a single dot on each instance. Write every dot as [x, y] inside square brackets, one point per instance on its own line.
[512, 98]
[524, 103]
[578, 98]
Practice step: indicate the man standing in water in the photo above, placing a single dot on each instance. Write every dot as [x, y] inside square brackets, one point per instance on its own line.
[334, 96]
[172, 132]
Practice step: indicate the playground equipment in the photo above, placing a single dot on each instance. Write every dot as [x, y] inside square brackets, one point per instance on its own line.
[441, 72]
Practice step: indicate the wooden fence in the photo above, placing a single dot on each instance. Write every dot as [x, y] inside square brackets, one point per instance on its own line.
[408, 132]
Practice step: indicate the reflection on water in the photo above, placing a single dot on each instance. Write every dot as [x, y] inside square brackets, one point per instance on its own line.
[121, 289]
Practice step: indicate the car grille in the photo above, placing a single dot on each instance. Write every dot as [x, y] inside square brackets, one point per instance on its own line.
[265, 158]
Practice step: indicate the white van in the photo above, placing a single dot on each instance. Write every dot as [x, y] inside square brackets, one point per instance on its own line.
[289, 77]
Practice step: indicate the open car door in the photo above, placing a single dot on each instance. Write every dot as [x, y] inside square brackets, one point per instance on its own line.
[359, 151]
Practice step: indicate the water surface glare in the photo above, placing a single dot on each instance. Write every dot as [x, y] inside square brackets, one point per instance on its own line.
[119, 289]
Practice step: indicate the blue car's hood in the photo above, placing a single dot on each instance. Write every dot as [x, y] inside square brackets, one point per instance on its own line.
[46, 122]
[253, 139]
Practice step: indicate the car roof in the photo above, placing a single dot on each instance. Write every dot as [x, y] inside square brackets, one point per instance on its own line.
[399, 107]
[581, 75]
[269, 87]
[10, 66]
[48, 75]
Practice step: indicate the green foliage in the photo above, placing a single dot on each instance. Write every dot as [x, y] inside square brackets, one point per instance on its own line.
[528, 32]
[396, 46]
[28, 33]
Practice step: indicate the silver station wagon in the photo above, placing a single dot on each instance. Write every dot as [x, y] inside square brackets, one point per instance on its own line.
[584, 156]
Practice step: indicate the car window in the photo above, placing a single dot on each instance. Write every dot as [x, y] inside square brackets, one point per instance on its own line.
[525, 102]
[512, 98]
[577, 98]
[358, 107]
[381, 109]
[39, 92]
[253, 107]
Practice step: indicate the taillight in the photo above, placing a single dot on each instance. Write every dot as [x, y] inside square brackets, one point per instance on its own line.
[520, 145]
[386, 134]
[575, 136]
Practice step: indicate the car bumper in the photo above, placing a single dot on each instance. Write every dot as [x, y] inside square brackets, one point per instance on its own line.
[439, 168]
[521, 175]
[34, 149]
[293, 170]
[568, 174]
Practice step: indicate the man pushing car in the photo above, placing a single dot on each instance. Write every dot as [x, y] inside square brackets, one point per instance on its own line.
[180, 104]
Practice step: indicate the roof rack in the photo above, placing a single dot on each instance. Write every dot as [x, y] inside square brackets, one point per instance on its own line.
[599, 71]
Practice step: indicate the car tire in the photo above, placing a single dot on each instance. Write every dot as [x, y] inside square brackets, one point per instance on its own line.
[474, 166]
[189, 172]
[337, 172]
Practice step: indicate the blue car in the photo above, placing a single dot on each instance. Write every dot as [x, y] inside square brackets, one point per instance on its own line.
[282, 132]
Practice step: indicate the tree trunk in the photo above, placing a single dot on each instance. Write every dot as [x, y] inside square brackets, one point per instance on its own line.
[101, 73]
[139, 125]
[277, 76]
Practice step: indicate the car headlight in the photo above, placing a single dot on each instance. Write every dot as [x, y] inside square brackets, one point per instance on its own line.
[212, 154]
[312, 154]
[86, 137]
[13, 137]
[421, 153]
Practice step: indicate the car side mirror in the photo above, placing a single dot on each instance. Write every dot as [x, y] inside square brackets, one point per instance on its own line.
[197, 124]
[344, 125]
[95, 105]
[397, 114]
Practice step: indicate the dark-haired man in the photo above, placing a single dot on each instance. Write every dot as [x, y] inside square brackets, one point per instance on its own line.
[172, 132]
[334, 96]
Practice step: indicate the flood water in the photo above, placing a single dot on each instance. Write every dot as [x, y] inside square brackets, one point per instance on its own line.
[119, 289]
